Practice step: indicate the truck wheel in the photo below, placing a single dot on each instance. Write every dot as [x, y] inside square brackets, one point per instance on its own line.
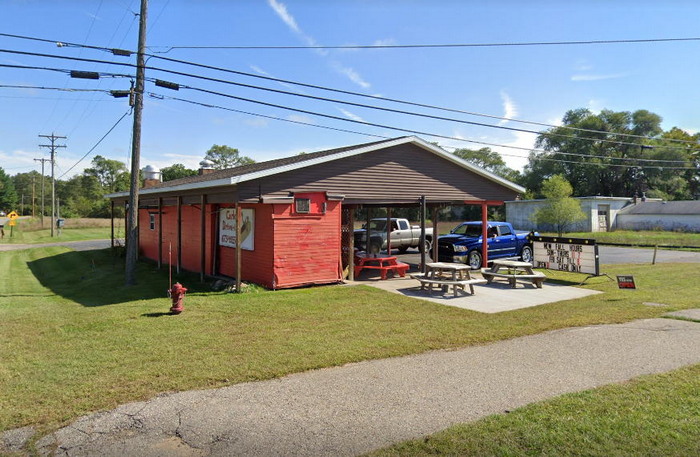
[374, 248]
[474, 260]
[403, 249]
[526, 254]
[427, 246]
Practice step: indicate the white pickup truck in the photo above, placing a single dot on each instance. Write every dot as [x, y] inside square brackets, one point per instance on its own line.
[403, 235]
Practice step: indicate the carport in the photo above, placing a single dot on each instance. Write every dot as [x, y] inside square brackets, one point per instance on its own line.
[294, 199]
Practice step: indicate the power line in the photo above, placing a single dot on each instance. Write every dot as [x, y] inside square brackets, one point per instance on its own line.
[358, 94]
[438, 45]
[96, 144]
[362, 105]
[418, 132]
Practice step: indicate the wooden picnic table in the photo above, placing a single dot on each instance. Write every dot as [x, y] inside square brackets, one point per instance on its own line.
[383, 263]
[446, 275]
[513, 270]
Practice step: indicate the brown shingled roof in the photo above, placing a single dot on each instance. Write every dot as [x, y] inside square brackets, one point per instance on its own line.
[260, 166]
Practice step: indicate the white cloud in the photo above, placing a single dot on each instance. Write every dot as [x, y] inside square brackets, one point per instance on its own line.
[351, 74]
[257, 121]
[281, 10]
[300, 118]
[509, 108]
[350, 115]
[595, 105]
[599, 77]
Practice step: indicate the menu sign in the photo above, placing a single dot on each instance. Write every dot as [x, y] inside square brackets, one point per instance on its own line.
[579, 255]
[227, 228]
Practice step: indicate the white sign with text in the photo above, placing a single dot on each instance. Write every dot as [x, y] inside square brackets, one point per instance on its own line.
[566, 254]
[227, 228]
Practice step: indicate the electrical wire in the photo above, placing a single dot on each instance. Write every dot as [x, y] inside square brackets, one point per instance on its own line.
[480, 124]
[436, 45]
[96, 144]
[358, 94]
[418, 132]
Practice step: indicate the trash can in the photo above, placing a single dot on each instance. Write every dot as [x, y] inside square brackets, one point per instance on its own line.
[59, 223]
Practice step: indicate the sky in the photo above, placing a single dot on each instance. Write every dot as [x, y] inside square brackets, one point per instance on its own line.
[532, 83]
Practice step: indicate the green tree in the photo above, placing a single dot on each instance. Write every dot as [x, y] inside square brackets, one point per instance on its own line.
[587, 152]
[560, 209]
[489, 160]
[107, 172]
[8, 195]
[176, 171]
[226, 157]
[28, 185]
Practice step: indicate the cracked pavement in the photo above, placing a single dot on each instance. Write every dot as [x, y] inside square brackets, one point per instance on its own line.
[360, 407]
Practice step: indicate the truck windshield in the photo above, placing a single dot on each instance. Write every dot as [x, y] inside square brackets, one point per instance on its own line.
[377, 226]
[470, 230]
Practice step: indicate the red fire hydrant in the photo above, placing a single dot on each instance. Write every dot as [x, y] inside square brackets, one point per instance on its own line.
[177, 294]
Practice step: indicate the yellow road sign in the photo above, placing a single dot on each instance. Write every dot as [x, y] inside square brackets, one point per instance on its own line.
[13, 215]
[11, 223]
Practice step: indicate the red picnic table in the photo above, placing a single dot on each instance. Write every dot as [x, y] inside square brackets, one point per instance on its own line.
[383, 263]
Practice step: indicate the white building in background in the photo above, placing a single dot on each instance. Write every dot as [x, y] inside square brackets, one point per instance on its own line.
[601, 214]
[659, 215]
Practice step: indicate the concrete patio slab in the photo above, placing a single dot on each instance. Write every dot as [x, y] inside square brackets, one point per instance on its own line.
[496, 297]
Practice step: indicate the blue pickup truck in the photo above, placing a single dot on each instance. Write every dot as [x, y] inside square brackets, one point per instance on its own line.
[464, 243]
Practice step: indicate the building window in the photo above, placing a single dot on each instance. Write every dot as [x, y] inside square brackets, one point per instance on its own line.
[152, 221]
[302, 205]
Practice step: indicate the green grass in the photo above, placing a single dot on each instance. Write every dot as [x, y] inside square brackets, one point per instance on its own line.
[29, 230]
[657, 415]
[75, 340]
[639, 238]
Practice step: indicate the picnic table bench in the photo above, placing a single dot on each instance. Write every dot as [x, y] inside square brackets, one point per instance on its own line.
[383, 263]
[445, 275]
[513, 270]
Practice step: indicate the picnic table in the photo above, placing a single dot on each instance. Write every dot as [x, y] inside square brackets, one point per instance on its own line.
[383, 263]
[513, 270]
[445, 275]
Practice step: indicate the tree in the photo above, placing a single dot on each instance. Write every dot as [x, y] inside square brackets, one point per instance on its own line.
[226, 157]
[28, 185]
[176, 171]
[8, 195]
[489, 160]
[107, 172]
[560, 210]
[588, 153]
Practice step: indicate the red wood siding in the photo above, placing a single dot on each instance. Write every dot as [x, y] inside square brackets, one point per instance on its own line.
[256, 265]
[307, 246]
[191, 228]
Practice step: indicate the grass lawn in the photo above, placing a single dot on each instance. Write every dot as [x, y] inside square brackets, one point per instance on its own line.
[29, 231]
[75, 340]
[639, 238]
[657, 415]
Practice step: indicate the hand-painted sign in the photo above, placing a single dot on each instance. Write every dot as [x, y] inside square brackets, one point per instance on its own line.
[626, 282]
[579, 255]
[227, 228]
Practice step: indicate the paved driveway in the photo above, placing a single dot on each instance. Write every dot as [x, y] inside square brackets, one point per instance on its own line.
[359, 407]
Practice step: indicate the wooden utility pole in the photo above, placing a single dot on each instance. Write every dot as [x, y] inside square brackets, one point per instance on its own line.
[53, 146]
[132, 235]
[42, 188]
[33, 196]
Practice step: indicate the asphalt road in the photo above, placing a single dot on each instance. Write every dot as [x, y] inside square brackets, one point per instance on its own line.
[356, 408]
[609, 255]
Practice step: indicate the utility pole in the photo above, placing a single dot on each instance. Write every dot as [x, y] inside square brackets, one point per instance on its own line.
[132, 235]
[53, 146]
[42, 188]
[33, 197]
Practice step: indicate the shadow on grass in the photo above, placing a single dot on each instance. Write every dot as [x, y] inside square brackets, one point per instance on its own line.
[158, 314]
[96, 278]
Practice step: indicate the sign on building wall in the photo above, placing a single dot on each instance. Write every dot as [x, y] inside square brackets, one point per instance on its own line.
[227, 228]
[578, 255]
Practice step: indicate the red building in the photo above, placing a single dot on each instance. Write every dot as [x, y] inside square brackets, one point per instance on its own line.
[297, 213]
